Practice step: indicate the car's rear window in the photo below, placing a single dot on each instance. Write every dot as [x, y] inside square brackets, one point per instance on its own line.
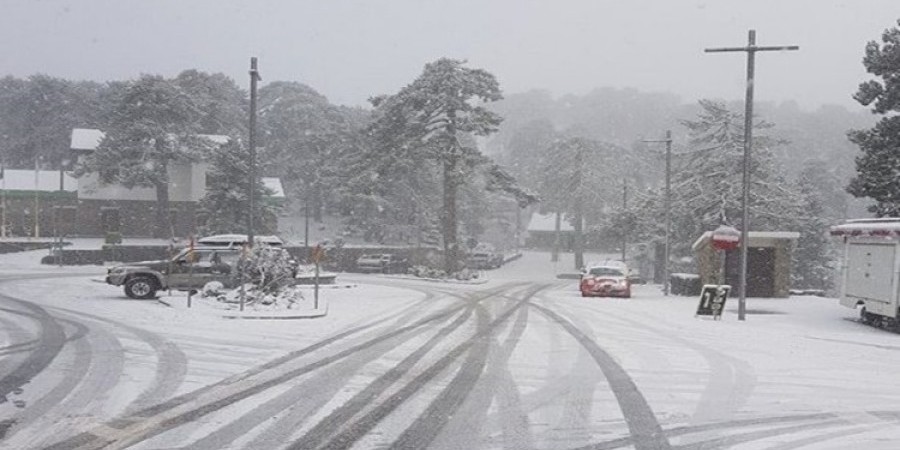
[608, 271]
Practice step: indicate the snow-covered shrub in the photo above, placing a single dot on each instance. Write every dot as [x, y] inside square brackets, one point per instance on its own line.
[268, 269]
[286, 296]
[212, 289]
[440, 274]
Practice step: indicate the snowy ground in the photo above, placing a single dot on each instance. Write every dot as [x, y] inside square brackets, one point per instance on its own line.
[521, 361]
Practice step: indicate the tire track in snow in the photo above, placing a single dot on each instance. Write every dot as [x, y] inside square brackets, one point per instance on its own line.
[429, 424]
[467, 429]
[575, 420]
[353, 432]
[171, 362]
[302, 400]
[20, 340]
[332, 423]
[731, 380]
[79, 357]
[189, 407]
[51, 340]
[642, 423]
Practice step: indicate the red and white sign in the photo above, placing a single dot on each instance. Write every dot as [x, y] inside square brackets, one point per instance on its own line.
[726, 238]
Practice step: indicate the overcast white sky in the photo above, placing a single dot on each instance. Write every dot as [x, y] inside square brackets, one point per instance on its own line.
[350, 50]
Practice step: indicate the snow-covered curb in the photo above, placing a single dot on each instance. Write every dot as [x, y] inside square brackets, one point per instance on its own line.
[479, 280]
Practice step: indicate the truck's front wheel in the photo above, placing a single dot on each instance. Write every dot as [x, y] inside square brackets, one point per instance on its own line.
[140, 288]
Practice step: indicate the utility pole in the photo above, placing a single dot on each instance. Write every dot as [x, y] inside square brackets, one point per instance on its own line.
[59, 208]
[668, 206]
[37, 201]
[751, 50]
[625, 216]
[578, 213]
[251, 183]
[306, 224]
[3, 199]
[254, 77]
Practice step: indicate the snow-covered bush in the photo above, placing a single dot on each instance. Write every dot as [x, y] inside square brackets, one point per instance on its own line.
[268, 269]
[287, 296]
[440, 274]
[267, 275]
[212, 289]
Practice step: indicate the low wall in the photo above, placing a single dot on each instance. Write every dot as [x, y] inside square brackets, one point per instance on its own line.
[339, 259]
[117, 253]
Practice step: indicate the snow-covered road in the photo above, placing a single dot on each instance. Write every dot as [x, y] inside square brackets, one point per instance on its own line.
[521, 361]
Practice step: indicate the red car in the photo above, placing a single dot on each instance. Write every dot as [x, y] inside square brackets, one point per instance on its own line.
[605, 281]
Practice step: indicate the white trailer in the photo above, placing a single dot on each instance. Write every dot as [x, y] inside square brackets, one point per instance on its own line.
[871, 268]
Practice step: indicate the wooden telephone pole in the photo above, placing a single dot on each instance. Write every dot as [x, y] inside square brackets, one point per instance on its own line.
[668, 206]
[751, 50]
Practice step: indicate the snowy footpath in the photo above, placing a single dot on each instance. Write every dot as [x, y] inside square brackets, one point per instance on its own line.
[519, 361]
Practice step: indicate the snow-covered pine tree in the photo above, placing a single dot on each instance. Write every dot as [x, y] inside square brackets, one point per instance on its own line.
[815, 253]
[305, 140]
[153, 125]
[878, 168]
[707, 180]
[582, 179]
[226, 205]
[428, 118]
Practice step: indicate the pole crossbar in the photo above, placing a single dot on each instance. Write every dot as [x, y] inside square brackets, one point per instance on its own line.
[751, 50]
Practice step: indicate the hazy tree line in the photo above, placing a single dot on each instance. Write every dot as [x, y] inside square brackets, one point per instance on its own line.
[412, 163]
[584, 156]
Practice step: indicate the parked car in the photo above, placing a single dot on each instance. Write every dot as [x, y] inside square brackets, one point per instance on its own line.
[484, 260]
[382, 263]
[237, 240]
[608, 279]
[189, 270]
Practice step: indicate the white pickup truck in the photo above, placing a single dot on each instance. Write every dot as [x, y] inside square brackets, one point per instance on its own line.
[871, 269]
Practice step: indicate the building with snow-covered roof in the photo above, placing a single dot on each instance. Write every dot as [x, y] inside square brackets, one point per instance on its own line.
[53, 194]
[768, 262]
[104, 208]
[541, 231]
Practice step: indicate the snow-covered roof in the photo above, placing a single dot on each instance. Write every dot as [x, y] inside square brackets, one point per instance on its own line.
[274, 184]
[752, 235]
[86, 138]
[89, 138]
[47, 180]
[238, 239]
[547, 222]
[868, 227]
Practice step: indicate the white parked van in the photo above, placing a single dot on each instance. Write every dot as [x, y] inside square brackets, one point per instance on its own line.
[870, 268]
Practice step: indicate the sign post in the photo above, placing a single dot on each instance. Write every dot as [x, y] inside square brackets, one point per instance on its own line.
[725, 238]
[712, 300]
[713, 296]
[317, 254]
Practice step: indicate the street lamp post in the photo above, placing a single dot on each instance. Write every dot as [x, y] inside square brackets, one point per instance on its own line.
[668, 206]
[751, 50]
[254, 77]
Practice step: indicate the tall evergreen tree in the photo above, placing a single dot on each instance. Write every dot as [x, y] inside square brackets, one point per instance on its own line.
[37, 115]
[226, 204]
[815, 252]
[707, 180]
[878, 168]
[153, 126]
[581, 179]
[430, 118]
[305, 138]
